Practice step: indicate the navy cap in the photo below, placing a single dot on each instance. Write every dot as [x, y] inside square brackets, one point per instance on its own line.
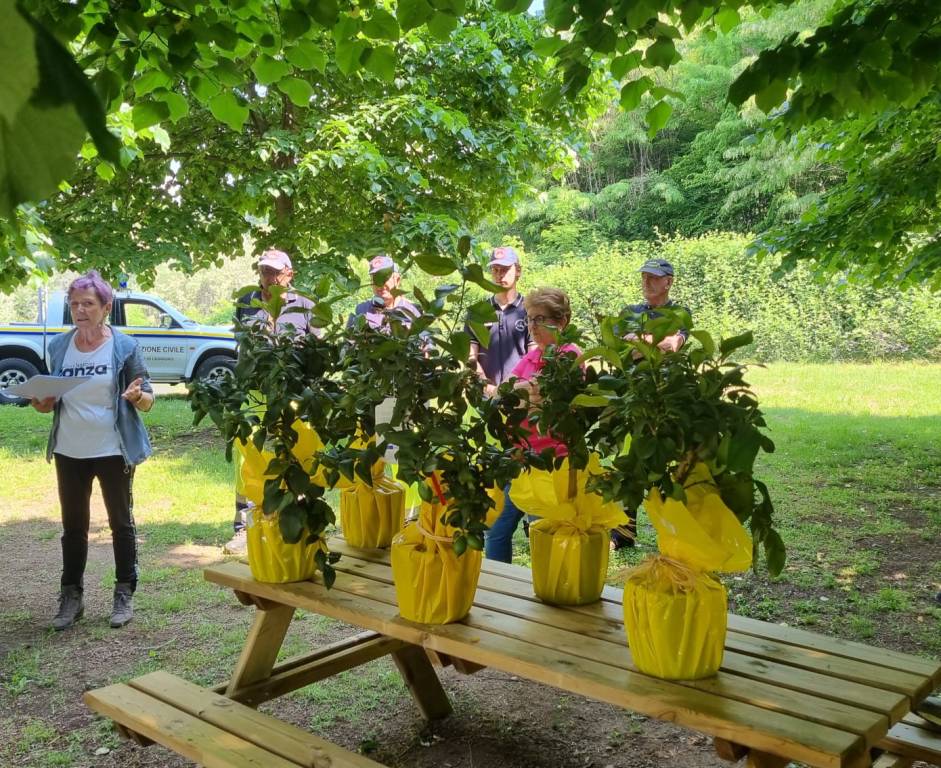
[504, 256]
[657, 267]
[381, 262]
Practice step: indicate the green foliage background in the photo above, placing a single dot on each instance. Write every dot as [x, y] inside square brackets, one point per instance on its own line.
[796, 317]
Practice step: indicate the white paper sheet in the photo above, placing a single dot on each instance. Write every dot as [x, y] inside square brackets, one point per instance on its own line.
[41, 386]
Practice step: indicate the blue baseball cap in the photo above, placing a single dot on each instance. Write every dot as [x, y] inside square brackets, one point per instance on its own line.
[504, 256]
[657, 267]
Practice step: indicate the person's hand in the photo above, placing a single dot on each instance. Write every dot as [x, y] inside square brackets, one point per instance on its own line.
[134, 393]
[43, 406]
[490, 390]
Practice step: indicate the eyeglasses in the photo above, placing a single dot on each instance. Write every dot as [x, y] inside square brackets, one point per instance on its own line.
[269, 271]
[545, 320]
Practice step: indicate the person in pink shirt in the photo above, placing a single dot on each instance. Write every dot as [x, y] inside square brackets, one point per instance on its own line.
[548, 312]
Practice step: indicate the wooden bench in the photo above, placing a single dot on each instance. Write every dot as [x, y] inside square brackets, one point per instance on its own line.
[212, 730]
[913, 739]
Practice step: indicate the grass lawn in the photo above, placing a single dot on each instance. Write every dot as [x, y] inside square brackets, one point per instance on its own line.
[856, 480]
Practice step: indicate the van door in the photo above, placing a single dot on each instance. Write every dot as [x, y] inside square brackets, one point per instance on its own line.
[162, 339]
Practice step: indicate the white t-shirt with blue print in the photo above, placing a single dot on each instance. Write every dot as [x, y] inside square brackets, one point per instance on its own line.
[86, 417]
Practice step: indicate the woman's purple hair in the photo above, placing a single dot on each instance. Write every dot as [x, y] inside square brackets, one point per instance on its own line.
[92, 280]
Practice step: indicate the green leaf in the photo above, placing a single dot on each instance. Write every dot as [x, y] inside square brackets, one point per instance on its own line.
[269, 70]
[661, 53]
[39, 150]
[306, 56]
[548, 46]
[657, 117]
[775, 552]
[381, 62]
[203, 88]
[381, 25]
[727, 18]
[297, 89]
[19, 67]
[727, 346]
[743, 449]
[226, 109]
[150, 81]
[325, 12]
[148, 113]
[460, 345]
[482, 312]
[590, 401]
[605, 353]
[771, 95]
[621, 65]
[474, 273]
[441, 25]
[632, 92]
[708, 345]
[560, 14]
[177, 105]
[481, 333]
[61, 82]
[435, 265]
[294, 24]
[349, 55]
[413, 13]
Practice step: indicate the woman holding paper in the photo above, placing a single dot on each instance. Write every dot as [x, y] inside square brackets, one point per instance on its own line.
[96, 432]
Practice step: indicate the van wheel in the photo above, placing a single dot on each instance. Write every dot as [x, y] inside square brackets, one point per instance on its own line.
[215, 367]
[15, 371]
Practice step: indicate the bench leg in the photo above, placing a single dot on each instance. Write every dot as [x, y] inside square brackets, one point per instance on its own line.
[261, 647]
[758, 759]
[729, 750]
[422, 682]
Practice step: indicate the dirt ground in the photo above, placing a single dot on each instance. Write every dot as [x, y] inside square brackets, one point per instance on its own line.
[500, 721]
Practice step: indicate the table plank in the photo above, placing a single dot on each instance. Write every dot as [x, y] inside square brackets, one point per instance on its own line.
[741, 722]
[610, 628]
[507, 578]
[574, 640]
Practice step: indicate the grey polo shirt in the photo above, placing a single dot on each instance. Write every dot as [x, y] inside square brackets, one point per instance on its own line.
[509, 340]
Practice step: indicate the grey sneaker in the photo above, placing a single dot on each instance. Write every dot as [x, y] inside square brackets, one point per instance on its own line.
[71, 608]
[237, 545]
[122, 611]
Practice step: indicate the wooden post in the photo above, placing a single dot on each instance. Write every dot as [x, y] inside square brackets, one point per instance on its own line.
[729, 750]
[422, 682]
[261, 647]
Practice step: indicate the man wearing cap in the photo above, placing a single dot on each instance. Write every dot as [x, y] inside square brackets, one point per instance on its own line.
[509, 335]
[274, 269]
[656, 280]
[386, 302]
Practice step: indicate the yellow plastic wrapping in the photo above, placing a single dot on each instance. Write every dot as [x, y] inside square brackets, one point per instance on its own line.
[703, 533]
[371, 516]
[498, 497]
[675, 618]
[569, 545]
[569, 564]
[675, 611]
[273, 560]
[251, 464]
[433, 584]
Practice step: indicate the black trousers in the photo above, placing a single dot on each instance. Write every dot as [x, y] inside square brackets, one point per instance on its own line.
[75, 478]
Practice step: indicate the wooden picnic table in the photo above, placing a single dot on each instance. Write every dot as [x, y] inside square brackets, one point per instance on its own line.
[782, 693]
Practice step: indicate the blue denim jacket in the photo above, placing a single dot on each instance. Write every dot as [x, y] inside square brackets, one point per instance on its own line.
[128, 365]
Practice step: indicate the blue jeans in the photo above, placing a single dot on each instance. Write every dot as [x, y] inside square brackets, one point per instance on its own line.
[498, 541]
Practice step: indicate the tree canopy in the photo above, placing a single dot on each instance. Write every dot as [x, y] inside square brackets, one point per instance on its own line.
[268, 73]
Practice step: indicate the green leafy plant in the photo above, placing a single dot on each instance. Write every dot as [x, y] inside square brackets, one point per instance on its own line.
[661, 413]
